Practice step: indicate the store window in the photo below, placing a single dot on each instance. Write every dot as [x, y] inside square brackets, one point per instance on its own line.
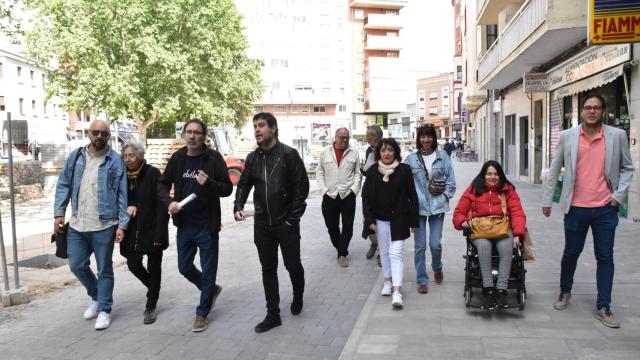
[567, 112]
[617, 111]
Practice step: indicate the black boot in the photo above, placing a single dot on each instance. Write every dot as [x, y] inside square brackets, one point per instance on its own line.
[296, 305]
[488, 301]
[268, 323]
[501, 298]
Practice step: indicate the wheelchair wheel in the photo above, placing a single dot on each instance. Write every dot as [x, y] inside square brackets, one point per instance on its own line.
[467, 296]
[522, 299]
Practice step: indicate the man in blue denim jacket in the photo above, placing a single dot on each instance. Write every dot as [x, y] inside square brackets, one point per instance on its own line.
[98, 216]
[435, 184]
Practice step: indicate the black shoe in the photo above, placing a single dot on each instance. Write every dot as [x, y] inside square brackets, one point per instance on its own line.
[149, 316]
[296, 305]
[268, 323]
[487, 298]
[379, 263]
[501, 298]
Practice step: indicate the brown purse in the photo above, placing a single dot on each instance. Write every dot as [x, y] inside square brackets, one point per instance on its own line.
[490, 227]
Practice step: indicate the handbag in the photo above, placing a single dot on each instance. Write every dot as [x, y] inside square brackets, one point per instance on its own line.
[61, 238]
[436, 187]
[529, 254]
[490, 227]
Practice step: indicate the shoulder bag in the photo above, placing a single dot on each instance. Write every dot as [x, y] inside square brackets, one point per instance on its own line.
[436, 187]
[490, 227]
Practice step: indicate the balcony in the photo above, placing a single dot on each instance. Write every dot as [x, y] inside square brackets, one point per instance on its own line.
[487, 11]
[379, 4]
[376, 42]
[537, 33]
[383, 21]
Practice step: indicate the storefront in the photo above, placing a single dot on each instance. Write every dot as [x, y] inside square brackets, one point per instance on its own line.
[603, 70]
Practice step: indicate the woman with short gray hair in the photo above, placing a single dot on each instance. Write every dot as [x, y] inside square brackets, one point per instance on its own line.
[148, 232]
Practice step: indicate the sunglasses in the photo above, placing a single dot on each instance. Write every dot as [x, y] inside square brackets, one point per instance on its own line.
[103, 134]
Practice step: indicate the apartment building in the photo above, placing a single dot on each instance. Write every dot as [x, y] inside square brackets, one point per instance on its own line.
[303, 49]
[378, 85]
[35, 119]
[520, 121]
[459, 115]
[434, 103]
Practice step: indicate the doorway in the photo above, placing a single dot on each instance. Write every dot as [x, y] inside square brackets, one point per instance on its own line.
[537, 138]
[524, 146]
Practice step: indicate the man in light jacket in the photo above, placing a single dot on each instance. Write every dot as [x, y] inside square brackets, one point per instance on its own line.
[597, 174]
[338, 176]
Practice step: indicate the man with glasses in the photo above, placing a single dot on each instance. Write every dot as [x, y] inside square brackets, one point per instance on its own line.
[95, 180]
[195, 169]
[597, 174]
[338, 177]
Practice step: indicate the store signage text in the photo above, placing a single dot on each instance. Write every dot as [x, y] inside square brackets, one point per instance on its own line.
[593, 61]
[535, 82]
[613, 22]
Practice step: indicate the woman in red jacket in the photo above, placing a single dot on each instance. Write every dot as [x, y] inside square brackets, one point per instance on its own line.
[483, 199]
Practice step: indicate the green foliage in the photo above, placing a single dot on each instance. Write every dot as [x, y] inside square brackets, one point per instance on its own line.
[152, 59]
[9, 25]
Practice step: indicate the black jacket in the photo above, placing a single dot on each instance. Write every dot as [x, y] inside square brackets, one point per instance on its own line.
[280, 183]
[404, 214]
[148, 231]
[218, 185]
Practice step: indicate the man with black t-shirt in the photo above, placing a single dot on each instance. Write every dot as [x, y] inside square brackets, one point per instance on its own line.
[195, 169]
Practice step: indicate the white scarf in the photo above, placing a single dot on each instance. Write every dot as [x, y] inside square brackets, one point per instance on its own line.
[387, 170]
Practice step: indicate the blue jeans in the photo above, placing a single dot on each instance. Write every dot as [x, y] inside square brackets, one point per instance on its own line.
[80, 245]
[603, 222]
[188, 242]
[435, 244]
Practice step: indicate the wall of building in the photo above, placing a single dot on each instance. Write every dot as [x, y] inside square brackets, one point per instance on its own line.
[634, 138]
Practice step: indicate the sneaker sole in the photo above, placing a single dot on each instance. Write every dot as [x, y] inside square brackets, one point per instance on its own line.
[560, 307]
[197, 330]
[397, 306]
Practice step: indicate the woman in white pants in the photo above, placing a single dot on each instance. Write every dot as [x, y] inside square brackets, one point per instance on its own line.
[390, 207]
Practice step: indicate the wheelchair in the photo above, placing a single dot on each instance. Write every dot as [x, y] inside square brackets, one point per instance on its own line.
[473, 276]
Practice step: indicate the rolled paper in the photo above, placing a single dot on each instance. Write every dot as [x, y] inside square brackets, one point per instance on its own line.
[187, 200]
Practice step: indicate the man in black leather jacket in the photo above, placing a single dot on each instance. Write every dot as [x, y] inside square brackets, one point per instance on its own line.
[280, 182]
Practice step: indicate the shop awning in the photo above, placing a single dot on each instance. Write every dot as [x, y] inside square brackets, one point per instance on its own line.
[592, 82]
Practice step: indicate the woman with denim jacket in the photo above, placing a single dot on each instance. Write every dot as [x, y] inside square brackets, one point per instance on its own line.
[435, 184]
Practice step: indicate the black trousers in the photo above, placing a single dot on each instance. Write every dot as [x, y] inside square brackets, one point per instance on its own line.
[267, 238]
[332, 210]
[150, 276]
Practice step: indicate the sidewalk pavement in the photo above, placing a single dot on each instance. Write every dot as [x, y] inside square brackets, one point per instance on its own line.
[438, 326]
[344, 316]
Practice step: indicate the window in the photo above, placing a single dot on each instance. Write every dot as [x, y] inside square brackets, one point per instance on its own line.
[284, 63]
[303, 87]
[21, 104]
[360, 77]
[391, 12]
[445, 92]
[421, 96]
[19, 72]
[279, 108]
[275, 86]
[258, 109]
[433, 110]
[342, 108]
[459, 72]
[392, 33]
[319, 109]
[433, 94]
[1, 71]
[44, 81]
[31, 76]
[360, 98]
[2, 107]
[492, 34]
[392, 54]
[358, 55]
[300, 108]
[44, 108]
[358, 14]
[326, 87]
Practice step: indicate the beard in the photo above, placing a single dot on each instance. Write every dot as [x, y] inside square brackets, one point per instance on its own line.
[194, 144]
[99, 144]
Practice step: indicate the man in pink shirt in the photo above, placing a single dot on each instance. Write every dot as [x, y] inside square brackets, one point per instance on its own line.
[597, 174]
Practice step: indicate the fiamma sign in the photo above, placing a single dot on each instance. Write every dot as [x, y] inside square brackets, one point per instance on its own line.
[593, 61]
[613, 22]
[535, 82]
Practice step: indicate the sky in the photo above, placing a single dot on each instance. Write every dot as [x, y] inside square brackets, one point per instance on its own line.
[428, 37]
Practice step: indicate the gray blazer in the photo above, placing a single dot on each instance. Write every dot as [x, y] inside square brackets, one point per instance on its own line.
[618, 167]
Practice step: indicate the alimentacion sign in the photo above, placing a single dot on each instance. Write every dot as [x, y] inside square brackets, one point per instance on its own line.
[614, 21]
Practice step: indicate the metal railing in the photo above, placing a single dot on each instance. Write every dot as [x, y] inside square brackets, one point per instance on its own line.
[479, 6]
[530, 16]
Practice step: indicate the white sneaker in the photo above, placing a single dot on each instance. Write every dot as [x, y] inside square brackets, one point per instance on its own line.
[386, 289]
[103, 321]
[92, 310]
[396, 300]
